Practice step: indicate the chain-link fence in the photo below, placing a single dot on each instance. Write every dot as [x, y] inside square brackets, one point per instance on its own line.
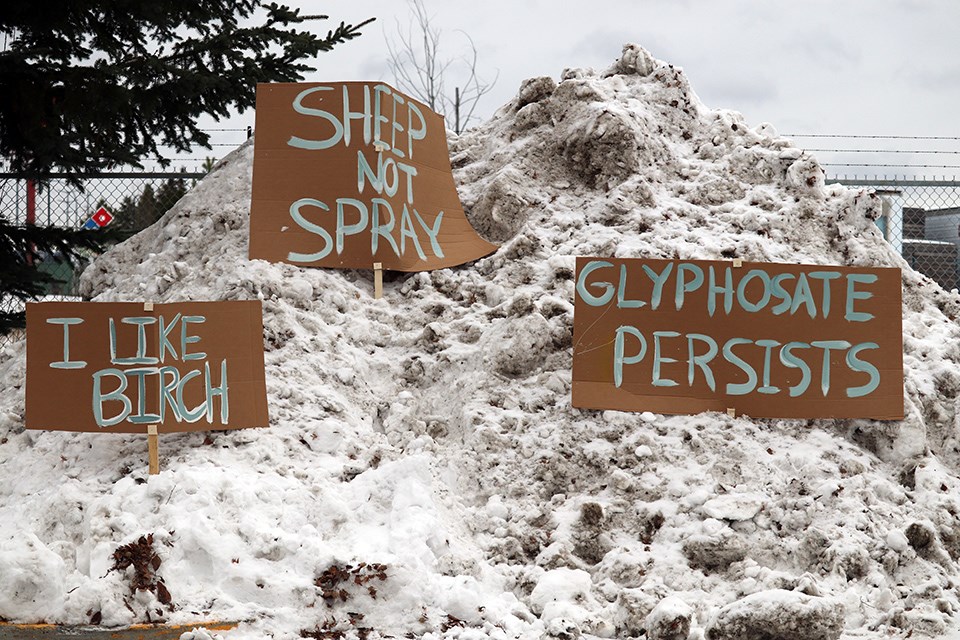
[921, 219]
[134, 200]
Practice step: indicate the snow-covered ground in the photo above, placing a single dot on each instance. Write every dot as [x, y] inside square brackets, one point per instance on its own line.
[424, 474]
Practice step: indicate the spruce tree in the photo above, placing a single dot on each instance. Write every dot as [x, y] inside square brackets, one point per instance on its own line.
[20, 249]
[134, 214]
[100, 84]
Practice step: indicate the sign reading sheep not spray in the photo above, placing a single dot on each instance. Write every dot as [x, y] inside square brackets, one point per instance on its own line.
[350, 174]
[117, 367]
[761, 339]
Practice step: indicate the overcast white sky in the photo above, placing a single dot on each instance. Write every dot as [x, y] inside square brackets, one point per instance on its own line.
[877, 67]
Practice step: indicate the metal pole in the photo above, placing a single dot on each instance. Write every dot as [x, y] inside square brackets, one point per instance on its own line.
[31, 202]
[31, 216]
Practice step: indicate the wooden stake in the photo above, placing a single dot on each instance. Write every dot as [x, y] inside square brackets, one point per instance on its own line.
[154, 446]
[731, 412]
[737, 263]
[377, 280]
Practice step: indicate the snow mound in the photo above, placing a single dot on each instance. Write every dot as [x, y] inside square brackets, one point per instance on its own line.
[785, 615]
[669, 620]
[424, 472]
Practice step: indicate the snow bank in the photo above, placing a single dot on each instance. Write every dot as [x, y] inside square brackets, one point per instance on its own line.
[424, 472]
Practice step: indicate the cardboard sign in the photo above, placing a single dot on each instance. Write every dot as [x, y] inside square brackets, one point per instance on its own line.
[766, 340]
[348, 174]
[117, 367]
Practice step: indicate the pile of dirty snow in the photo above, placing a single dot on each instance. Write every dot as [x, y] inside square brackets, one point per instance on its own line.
[424, 473]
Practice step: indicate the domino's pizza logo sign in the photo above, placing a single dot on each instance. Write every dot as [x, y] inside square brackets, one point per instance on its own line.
[98, 220]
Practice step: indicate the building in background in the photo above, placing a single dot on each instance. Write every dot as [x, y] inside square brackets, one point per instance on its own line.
[931, 239]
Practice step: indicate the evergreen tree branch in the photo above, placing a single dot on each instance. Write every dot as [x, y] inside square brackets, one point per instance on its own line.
[99, 84]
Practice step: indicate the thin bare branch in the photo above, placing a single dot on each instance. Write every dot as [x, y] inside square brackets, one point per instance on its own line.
[419, 68]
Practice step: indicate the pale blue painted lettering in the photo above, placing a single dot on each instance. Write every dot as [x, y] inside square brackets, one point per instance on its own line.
[618, 358]
[778, 291]
[66, 363]
[856, 364]
[343, 229]
[790, 360]
[167, 392]
[217, 391]
[396, 126]
[379, 118]
[315, 145]
[388, 167]
[432, 232]
[827, 346]
[141, 323]
[379, 179]
[365, 172]
[765, 386]
[410, 171]
[741, 388]
[116, 395]
[356, 115]
[185, 339]
[586, 296]
[803, 296]
[418, 133]
[825, 277]
[658, 380]
[378, 230]
[703, 360]
[165, 344]
[141, 416]
[312, 228]
[407, 231]
[199, 411]
[747, 305]
[684, 287]
[659, 280]
[853, 294]
[726, 289]
[113, 340]
[622, 302]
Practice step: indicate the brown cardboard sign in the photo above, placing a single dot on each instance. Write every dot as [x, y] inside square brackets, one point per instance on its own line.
[347, 174]
[766, 340]
[119, 366]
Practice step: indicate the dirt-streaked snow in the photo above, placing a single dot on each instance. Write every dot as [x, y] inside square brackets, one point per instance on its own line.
[431, 431]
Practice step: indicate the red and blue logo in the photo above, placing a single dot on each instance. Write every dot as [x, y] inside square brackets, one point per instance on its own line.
[98, 220]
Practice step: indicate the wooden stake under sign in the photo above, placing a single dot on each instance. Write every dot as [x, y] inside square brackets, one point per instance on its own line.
[153, 445]
[377, 280]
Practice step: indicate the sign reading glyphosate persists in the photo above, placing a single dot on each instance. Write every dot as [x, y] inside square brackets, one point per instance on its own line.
[349, 174]
[114, 367]
[767, 340]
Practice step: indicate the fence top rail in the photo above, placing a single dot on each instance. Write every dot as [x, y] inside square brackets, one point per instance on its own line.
[893, 182]
[196, 175]
[191, 175]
